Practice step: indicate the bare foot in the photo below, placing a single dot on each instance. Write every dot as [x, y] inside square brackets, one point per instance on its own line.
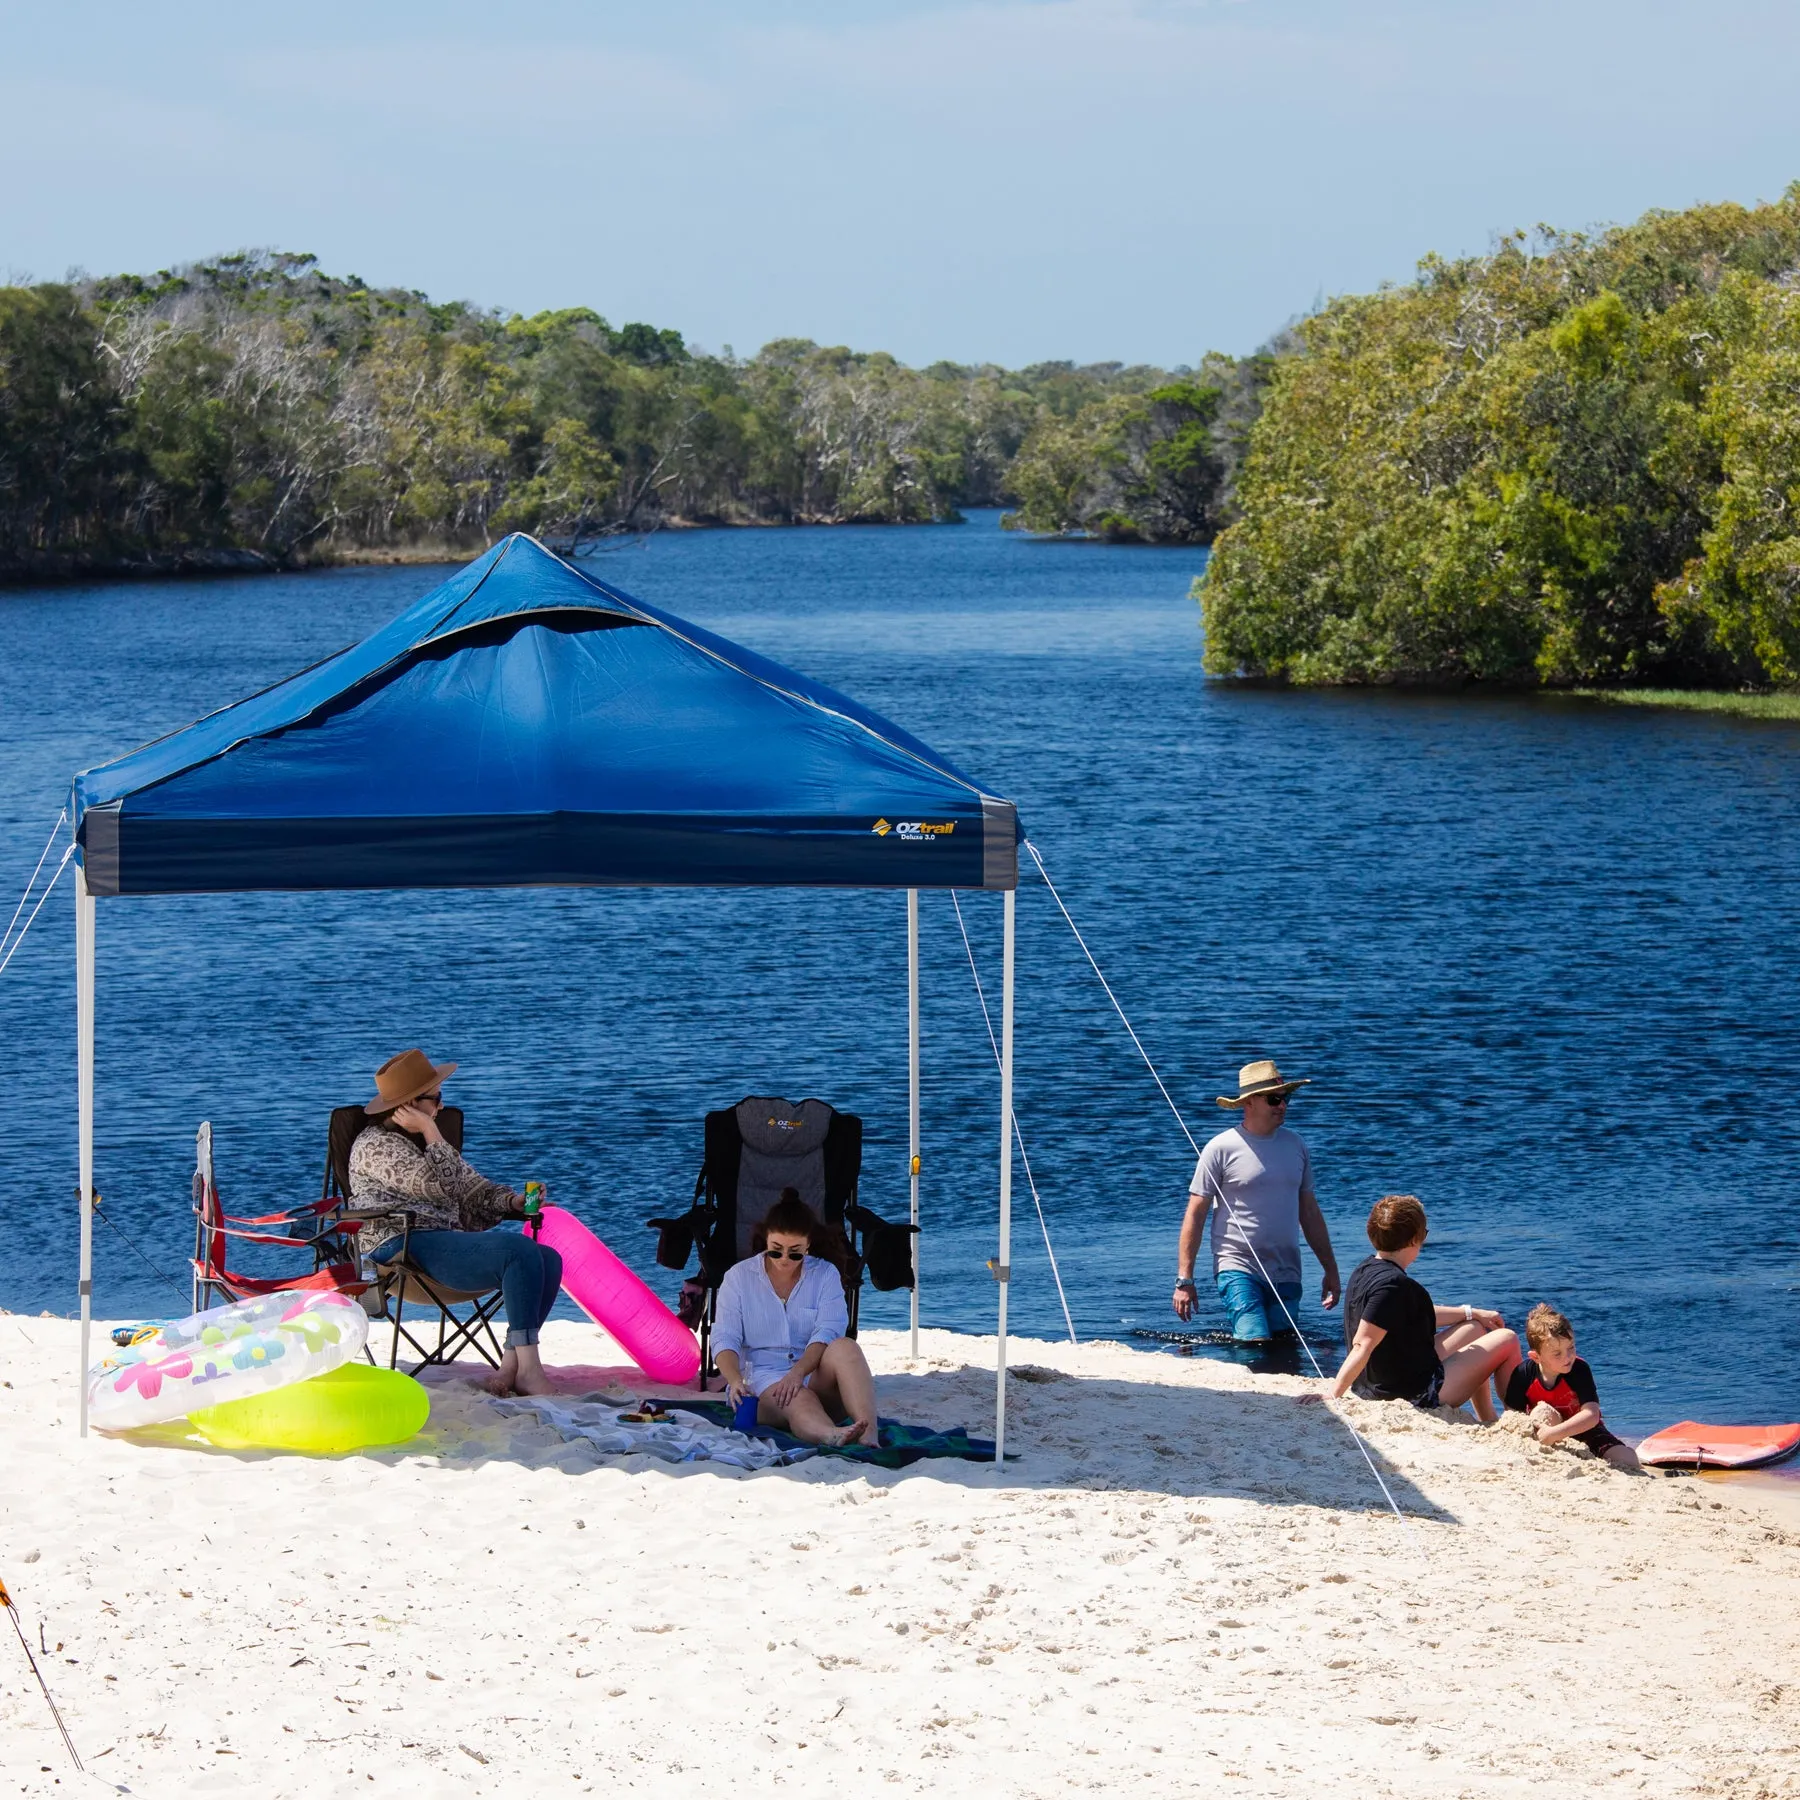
[838, 1436]
[500, 1383]
[866, 1432]
[528, 1375]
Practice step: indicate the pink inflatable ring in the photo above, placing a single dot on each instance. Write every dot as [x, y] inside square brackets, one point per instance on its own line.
[619, 1302]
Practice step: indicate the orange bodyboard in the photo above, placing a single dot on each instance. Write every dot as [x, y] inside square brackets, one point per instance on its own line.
[1695, 1446]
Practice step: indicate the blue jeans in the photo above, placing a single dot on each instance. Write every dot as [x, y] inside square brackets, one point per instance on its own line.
[1255, 1305]
[527, 1273]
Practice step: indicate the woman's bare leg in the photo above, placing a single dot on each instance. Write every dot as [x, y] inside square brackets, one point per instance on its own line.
[831, 1403]
[824, 1390]
[845, 1370]
[1458, 1337]
[803, 1417]
[1467, 1371]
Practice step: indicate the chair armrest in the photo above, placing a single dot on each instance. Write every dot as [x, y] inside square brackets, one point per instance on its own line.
[291, 1216]
[269, 1237]
[675, 1237]
[355, 1217]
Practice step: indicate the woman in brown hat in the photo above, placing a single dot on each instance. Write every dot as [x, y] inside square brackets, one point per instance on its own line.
[402, 1160]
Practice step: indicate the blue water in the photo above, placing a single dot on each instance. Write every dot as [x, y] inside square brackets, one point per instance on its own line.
[1537, 955]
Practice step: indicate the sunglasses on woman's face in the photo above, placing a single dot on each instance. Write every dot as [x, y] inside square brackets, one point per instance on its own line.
[790, 1253]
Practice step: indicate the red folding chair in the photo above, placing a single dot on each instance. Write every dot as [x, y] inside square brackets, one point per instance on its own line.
[313, 1229]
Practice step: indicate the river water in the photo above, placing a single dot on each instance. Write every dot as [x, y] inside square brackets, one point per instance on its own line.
[1537, 955]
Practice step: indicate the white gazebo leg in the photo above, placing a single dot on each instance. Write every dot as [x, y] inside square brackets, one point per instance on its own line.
[84, 1087]
[1003, 1263]
[912, 1080]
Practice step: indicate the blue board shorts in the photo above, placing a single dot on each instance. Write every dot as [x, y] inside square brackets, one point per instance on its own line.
[1255, 1306]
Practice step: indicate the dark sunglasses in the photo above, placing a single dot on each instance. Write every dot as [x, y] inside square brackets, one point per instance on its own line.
[790, 1254]
[1273, 1099]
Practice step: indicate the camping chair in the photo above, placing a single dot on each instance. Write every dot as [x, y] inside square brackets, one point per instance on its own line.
[464, 1317]
[302, 1228]
[752, 1151]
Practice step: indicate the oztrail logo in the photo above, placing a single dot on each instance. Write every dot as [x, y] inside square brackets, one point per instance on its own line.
[882, 828]
[915, 831]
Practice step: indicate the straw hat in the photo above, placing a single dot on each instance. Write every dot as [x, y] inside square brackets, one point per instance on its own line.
[1261, 1078]
[406, 1076]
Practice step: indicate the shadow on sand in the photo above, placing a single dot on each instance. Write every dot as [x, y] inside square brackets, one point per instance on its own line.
[1070, 1432]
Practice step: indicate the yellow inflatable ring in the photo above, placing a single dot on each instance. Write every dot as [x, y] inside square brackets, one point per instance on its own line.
[353, 1408]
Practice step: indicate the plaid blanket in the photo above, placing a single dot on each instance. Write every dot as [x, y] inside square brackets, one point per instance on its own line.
[900, 1444]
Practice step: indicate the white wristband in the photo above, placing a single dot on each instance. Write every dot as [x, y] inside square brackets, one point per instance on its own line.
[1468, 1315]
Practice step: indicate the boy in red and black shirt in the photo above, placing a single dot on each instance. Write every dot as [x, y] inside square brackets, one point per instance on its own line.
[1554, 1376]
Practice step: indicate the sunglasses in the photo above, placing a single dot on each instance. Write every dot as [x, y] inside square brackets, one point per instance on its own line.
[1273, 1099]
[792, 1255]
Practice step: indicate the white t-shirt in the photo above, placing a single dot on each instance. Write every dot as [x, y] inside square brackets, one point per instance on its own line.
[1262, 1179]
[767, 1335]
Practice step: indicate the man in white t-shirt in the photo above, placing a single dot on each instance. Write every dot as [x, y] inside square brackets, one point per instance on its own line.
[1256, 1180]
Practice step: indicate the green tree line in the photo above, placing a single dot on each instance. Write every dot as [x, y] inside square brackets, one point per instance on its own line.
[1575, 459]
[255, 406]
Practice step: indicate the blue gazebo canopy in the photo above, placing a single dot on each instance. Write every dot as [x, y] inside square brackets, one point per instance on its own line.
[526, 725]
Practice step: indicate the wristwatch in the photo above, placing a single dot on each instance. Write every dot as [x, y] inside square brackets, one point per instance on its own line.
[1186, 1281]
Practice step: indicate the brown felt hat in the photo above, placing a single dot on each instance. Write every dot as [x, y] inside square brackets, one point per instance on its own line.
[1261, 1078]
[405, 1077]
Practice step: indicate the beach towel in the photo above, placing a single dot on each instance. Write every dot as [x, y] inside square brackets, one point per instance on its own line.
[900, 1444]
[702, 1439]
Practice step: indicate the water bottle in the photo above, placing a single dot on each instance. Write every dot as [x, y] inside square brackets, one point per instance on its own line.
[369, 1272]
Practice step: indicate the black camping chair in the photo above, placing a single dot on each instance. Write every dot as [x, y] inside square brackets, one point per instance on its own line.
[746, 1165]
[464, 1318]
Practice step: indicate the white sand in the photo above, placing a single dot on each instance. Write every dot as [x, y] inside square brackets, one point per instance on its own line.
[1187, 1580]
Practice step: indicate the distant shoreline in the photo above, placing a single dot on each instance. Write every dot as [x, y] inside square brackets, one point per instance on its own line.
[198, 564]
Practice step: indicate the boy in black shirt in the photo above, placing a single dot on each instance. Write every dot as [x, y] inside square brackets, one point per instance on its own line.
[1554, 1376]
[1402, 1345]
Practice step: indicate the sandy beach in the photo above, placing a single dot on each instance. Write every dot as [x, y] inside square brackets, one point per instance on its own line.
[1187, 1579]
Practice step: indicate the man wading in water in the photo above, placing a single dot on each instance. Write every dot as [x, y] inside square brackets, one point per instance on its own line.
[1260, 1178]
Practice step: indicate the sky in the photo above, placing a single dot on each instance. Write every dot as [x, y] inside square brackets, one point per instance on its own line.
[979, 180]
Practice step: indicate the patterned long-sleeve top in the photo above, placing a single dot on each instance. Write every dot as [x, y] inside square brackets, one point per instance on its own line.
[435, 1185]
